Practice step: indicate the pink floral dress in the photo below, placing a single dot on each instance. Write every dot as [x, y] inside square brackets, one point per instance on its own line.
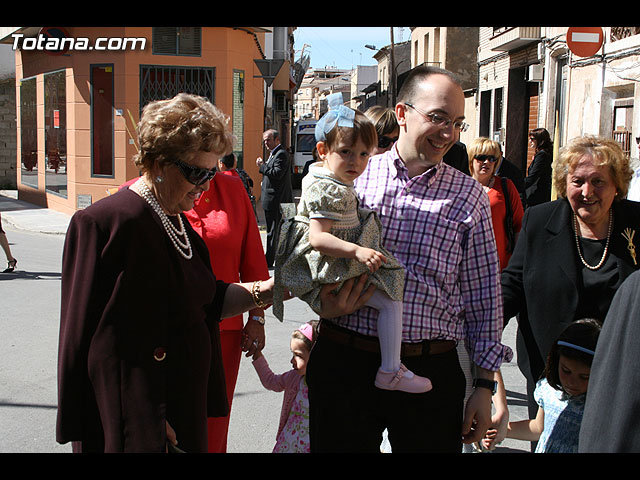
[294, 437]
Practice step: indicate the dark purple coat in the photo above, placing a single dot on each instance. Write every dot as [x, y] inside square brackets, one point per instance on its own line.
[139, 333]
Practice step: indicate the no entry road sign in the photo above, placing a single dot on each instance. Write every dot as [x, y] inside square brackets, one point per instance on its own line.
[585, 41]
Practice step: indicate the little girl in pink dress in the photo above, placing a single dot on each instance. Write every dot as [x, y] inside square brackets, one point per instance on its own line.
[293, 430]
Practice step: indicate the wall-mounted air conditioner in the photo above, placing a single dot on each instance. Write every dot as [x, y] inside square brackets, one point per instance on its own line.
[535, 73]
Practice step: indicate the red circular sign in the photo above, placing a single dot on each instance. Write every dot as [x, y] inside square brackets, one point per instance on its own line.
[585, 41]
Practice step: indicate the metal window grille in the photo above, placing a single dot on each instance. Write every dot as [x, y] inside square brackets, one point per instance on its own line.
[162, 82]
[185, 41]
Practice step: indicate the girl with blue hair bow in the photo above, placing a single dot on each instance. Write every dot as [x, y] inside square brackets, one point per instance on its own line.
[319, 242]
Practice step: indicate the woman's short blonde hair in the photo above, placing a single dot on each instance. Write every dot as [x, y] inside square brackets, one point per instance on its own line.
[483, 146]
[383, 118]
[605, 152]
[179, 128]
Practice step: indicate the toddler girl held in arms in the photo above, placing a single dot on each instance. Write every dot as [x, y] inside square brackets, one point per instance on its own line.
[318, 246]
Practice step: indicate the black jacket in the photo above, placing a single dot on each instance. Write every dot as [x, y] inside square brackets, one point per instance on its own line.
[276, 180]
[537, 183]
[543, 281]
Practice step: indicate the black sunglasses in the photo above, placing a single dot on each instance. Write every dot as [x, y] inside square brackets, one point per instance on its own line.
[195, 175]
[482, 158]
[384, 141]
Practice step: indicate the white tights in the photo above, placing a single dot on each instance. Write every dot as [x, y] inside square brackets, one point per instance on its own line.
[389, 329]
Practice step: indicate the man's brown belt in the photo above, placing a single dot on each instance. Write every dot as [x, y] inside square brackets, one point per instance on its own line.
[367, 343]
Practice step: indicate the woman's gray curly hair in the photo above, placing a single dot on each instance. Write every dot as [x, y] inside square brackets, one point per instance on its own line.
[605, 152]
[179, 128]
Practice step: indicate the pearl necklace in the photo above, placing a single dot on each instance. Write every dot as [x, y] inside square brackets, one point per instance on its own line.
[606, 248]
[183, 248]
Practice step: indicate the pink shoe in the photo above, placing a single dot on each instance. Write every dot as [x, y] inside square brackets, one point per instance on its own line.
[398, 381]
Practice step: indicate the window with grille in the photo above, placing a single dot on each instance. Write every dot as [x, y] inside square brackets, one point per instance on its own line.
[55, 132]
[185, 41]
[238, 116]
[161, 82]
[29, 132]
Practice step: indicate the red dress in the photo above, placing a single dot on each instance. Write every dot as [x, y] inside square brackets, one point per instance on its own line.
[224, 218]
[498, 214]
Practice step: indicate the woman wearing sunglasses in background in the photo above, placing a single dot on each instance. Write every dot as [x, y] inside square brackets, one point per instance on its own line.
[484, 155]
[139, 366]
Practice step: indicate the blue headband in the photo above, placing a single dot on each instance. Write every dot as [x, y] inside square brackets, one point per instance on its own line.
[577, 347]
[338, 115]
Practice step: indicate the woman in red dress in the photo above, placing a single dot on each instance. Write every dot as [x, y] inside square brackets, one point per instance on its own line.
[223, 216]
[484, 155]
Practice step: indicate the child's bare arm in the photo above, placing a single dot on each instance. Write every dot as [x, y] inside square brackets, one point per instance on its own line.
[527, 429]
[322, 240]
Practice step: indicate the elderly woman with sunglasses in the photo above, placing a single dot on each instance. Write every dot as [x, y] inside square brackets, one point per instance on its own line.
[139, 366]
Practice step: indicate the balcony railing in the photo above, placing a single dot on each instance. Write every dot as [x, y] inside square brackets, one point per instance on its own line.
[510, 38]
[618, 33]
[623, 137]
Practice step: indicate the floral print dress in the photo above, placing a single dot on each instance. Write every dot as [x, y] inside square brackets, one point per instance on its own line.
[294, 437]
[302, 270]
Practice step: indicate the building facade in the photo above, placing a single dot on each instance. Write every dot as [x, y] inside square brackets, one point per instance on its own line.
[454, 49]
[77, 109]
[317, 85]
[529, 78]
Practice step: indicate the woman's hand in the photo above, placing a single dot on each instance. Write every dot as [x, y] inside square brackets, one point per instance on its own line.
[350, 298]
[253, 336]
[239, 297]
[266, 291]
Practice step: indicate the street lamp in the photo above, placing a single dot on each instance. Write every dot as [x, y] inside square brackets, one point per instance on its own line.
[392, 70]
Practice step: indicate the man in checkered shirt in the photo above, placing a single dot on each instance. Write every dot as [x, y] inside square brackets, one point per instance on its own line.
[437, 222]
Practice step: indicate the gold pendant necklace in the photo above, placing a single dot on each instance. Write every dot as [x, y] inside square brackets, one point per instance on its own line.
[628, 234]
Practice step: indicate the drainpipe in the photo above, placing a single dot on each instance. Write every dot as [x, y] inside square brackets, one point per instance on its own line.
[393, 73]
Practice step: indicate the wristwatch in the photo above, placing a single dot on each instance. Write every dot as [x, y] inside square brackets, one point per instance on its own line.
[258, 319]
[484, 383]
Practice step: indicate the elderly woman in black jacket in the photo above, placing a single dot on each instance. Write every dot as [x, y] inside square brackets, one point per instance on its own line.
[573, 253]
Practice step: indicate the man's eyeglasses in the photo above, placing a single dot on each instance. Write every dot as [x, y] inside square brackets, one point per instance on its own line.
[195, 175]
[482, 158]
[384, 141]
[439, 120]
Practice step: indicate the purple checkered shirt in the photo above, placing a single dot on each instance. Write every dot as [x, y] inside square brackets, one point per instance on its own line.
[438, 226]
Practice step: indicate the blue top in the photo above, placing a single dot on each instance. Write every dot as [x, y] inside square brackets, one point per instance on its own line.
[562, 418]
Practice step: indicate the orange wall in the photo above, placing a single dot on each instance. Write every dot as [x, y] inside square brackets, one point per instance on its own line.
[223, 48]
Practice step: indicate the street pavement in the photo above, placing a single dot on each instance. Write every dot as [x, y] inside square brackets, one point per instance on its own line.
[29, 317]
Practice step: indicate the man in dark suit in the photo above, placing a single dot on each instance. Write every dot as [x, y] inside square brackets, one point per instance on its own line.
[276, 188]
